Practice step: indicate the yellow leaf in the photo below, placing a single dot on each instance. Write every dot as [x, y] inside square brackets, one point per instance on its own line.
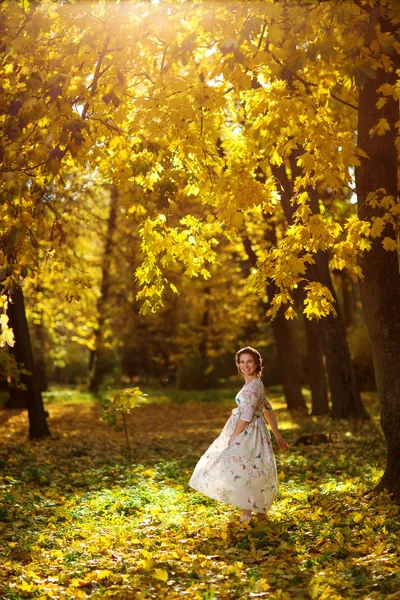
[357, 517]
[237, 220]
[306, 161]
[381, 127]
[26, 587]
[276, 35]
[7, 337]
[377, 227]
[389, 243]
[102, 574]
[148, 473]
[290, 313]
[381, 103]
[161, 574]
[275, 158]
[147, 563]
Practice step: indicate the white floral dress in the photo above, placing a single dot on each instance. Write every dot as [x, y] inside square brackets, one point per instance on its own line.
[242, 473]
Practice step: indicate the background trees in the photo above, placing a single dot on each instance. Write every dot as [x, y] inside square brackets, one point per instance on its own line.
[174, 110]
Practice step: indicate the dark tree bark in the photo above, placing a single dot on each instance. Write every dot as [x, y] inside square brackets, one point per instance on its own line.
[16, 395]
[348, 297]
[345, 395]
[380, 286]
[39, 337]
[290, 366]
[97, 365]
[316, 368]
[203, 346]
[315, 351]
[284, 332]
[40, 363]
[23, 353]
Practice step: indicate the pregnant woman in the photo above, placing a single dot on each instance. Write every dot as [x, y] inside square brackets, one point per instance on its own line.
[239, 467]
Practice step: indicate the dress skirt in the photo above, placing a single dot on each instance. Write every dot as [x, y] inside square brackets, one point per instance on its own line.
[242, 473]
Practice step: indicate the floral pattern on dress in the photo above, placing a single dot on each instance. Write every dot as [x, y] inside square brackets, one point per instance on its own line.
[242, 473]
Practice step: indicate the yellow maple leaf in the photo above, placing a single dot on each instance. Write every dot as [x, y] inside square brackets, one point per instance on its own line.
[102, 574]
[381, 103]
[389, 243]
[381, 127]
[290, 313]
[377, 227]
[161, 574]
[26, 587]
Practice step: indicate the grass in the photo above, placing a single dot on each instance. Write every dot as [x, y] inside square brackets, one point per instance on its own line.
[78, 521]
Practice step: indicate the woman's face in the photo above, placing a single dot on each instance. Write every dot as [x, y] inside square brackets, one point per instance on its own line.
[247, 364]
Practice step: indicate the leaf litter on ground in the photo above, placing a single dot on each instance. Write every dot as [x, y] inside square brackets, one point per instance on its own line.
[77, 520]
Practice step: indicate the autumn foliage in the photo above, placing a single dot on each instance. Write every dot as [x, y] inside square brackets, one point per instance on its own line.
[78, 520]
[178, 179]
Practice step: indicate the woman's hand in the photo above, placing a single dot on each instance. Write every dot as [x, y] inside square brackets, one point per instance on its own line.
[283, 445]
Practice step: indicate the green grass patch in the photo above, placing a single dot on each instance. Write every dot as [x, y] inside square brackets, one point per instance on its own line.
[77, 520]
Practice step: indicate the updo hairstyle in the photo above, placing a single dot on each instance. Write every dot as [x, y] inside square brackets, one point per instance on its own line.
[255, 354]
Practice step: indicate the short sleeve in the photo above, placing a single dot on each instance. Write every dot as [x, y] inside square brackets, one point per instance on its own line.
[250, 398]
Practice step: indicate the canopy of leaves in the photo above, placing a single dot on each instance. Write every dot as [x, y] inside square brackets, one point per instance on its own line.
[171, 101]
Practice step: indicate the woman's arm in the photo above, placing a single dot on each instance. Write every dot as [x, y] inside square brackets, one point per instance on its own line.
[271, 419]
[240, 427]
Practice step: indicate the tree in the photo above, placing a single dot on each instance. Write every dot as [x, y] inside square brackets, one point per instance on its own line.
[96, 356]
[378, 208]
[285, 336]
[193, 72]
[37, 418]
[345, 396]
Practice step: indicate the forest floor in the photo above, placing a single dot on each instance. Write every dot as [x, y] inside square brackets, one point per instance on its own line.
[78, 521]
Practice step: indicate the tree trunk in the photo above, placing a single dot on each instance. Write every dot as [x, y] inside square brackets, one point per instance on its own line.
[97, 358]
[23, 352]
[348, 298]
[284, 332]
[345, 395]
[316, 368]
[380, 286]
[39, 358]
[203, 346]
[16, 395]
[290, 366]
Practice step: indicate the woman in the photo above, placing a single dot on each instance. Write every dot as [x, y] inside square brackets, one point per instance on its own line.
[239, 467]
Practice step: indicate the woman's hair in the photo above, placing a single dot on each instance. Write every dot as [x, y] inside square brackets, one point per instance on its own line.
[255, 354]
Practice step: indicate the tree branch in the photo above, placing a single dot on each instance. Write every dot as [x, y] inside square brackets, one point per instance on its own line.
[357, 108]
[251, 255]
[97, 74]
[261, 36]
[309, 84]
